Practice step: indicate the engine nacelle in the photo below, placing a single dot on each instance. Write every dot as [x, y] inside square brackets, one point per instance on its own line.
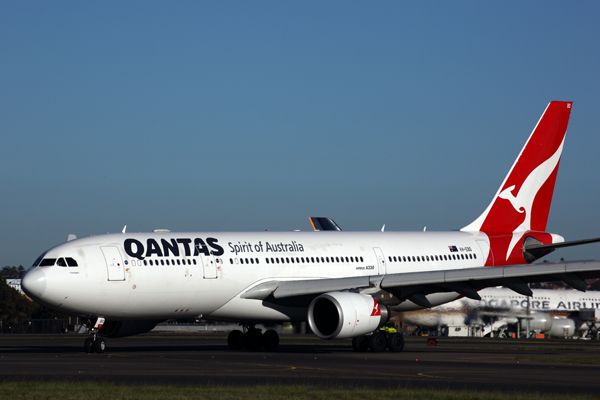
[541, 322]
[118, 329]
[562, 328]
[340, 315]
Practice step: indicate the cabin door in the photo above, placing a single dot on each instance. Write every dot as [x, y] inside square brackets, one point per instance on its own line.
[114, 263]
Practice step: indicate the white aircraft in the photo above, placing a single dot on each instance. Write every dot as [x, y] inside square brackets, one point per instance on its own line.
[558, 313]
[345, 284]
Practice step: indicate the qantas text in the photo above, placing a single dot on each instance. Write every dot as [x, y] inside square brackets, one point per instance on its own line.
[172, 247]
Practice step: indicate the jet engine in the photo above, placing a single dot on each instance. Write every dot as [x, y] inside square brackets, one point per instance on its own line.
[562, 328]
[555, 327]
[340, 315]
[541, 322]
[118, 329]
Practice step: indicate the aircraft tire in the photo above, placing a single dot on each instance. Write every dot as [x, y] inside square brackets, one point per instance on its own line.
[88, 345]
[99, 345]
[235, 340]
[270, 340]
[253, 340]
[395, 342]
[377, 342]
[360, 343]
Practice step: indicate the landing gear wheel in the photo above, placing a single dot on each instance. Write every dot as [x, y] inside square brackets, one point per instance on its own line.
[253, 340]
[395, 342]
[235, 340]
[88, 345]
[99, 345]
[377, 342]
[360, 343]
[270, 340]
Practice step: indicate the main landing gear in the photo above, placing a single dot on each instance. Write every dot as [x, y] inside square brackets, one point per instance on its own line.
[253, 339]
[378, 342]
[94, 344]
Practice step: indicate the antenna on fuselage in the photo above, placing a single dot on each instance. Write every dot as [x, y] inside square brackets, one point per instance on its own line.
[124, 229]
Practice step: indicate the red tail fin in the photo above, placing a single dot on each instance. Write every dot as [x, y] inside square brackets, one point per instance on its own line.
[523, 200]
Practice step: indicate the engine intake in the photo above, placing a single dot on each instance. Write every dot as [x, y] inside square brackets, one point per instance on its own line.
[340, 315]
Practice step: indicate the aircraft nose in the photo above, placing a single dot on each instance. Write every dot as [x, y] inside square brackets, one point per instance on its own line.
[34, 282]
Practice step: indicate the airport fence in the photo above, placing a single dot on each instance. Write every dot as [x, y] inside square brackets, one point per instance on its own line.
[35, 326]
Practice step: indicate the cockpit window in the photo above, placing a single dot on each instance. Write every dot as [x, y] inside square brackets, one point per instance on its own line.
[37, 262]
[71, 262]
[61, 262]
[48, 262]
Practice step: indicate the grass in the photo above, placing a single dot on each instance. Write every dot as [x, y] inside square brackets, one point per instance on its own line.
[103, 391]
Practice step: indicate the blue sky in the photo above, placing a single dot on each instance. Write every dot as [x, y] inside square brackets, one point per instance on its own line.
[220, 116]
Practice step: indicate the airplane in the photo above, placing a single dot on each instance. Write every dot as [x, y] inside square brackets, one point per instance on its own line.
[558, 313]
[344, 284]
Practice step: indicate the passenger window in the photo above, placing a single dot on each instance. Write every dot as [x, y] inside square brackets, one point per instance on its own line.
[361, 259]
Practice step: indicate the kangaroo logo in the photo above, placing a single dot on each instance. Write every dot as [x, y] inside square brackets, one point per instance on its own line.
[523, 201]
[376, 311]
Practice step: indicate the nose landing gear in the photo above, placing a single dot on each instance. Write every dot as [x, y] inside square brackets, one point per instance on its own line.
[94, 344]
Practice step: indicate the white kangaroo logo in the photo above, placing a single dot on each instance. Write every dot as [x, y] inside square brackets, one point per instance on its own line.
[523, 201]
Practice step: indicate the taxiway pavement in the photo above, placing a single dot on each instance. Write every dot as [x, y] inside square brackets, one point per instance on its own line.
[204, 359]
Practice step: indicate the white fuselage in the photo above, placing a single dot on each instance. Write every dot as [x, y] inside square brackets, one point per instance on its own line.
[190, 275]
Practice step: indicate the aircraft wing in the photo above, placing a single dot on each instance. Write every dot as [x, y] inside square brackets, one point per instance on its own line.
[414, 286]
